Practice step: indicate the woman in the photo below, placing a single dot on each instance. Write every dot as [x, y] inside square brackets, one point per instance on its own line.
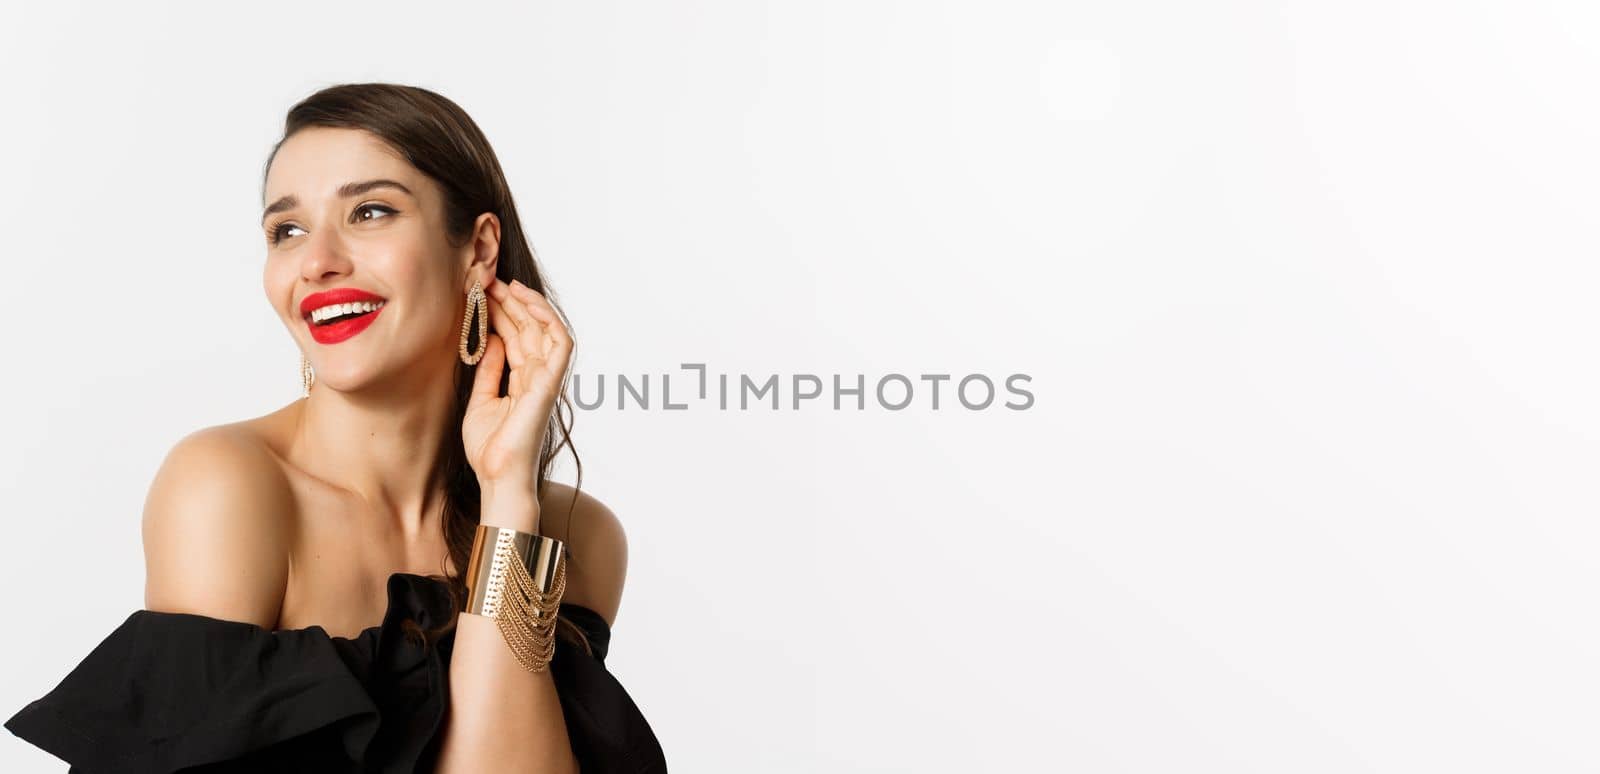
[307, 570]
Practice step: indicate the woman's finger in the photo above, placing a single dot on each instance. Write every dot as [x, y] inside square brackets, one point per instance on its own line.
[502, 292]
[543, 311]
[506, 324]
[486, 381]
[558, 349]
[510, 337]
[531, 334]
[538, 305]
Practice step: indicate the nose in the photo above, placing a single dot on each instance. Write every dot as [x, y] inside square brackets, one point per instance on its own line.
[323, 257]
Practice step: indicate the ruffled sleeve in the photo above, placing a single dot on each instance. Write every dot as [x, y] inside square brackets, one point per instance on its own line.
[172, 691]
[168, 692]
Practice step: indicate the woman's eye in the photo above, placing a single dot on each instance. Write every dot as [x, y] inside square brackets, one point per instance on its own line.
[277, 234]
[373, 208]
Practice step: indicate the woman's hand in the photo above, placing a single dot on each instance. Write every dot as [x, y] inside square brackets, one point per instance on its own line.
[503, 435]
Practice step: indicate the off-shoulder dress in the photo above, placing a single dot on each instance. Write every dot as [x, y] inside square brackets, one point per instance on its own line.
[171, 692]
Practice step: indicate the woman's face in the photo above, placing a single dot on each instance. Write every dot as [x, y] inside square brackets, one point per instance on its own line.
[386, 239]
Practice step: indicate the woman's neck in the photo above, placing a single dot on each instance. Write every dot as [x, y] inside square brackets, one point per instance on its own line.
[381, 447]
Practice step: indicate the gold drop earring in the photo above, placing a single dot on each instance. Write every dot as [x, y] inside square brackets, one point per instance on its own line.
[475, 298]
[307, 376]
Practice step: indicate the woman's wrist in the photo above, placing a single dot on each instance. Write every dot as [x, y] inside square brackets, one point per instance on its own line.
[513, 508]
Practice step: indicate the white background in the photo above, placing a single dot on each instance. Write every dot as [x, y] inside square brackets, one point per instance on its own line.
[1304, 289]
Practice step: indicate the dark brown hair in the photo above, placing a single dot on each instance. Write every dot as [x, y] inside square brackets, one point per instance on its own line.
[438, 138]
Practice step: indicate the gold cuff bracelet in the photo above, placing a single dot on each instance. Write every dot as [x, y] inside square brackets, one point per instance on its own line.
[517, 578]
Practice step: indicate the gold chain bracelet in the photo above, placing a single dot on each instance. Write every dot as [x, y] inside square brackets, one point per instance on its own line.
[517, 578]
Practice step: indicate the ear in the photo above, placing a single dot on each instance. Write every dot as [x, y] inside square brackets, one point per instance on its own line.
[484, 246]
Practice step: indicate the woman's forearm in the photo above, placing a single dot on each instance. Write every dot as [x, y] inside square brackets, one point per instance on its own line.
[501, 717]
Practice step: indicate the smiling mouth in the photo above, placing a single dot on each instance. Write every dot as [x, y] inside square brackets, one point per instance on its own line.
[337, 323]
[338, 313]
[343, 317]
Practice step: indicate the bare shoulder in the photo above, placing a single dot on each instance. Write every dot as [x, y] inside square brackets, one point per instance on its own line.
[215, 537]
[597, 545]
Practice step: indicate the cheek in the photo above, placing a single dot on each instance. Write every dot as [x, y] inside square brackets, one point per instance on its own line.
[278, 280]
[418, 276]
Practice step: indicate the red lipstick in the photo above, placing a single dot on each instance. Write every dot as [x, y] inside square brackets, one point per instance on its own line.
[334, 333]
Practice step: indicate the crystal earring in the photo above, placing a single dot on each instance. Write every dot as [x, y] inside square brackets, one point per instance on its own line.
[307, 376]
[475, 298]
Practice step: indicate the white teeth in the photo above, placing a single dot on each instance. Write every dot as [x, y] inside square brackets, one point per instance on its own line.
[318, 315]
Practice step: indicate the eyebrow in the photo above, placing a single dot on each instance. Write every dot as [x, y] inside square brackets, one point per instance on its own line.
[345, 191]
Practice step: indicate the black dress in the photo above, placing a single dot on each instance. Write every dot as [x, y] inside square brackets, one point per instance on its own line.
[168, 692]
